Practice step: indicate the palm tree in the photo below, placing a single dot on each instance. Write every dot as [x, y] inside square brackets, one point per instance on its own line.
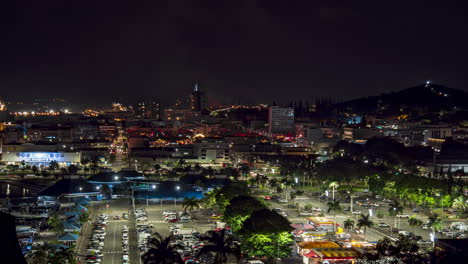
[221, 245]
[364, 221]
[64, 256]
[333, 185]
[436, 224]
[83, 218]
[395, 208]
[348, 224]
[459, 203]
[162, 251]
[335, 207]
[190, 203]
[40, 254]
[412, 221]
[56, 223]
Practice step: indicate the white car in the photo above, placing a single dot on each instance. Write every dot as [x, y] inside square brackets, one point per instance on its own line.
[422, 242]
[282, 200]
[305, 213]
[169, 212]
[356, 212]
[316, 209]
[125, 236]
[402, 216]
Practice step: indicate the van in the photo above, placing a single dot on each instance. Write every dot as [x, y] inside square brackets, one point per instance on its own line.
[404, 233]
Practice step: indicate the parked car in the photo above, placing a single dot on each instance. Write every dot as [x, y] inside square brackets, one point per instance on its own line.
[403, 216]
[305, 213]
[424, 242]
[356, 213]
[383, 225]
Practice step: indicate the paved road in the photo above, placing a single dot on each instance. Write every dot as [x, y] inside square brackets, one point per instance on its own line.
[113, 242]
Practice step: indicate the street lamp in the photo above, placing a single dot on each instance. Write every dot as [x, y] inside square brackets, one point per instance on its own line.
[81, 188]
[175, 200]
[116, 178]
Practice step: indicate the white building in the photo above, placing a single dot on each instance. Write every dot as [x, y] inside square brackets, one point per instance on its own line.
[281, 120]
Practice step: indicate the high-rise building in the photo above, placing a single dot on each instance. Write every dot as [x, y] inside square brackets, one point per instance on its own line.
[148, 109]
[281, 120]
[140, 109]
[155, 109]
[197, 99]
[3, 111]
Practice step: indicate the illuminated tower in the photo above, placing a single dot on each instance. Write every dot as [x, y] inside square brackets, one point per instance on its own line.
[197, 99]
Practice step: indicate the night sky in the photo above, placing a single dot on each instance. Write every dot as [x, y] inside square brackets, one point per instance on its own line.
[252, 51]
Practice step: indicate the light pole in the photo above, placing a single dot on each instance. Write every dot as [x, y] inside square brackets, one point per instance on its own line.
[177, 192]
[394, 211]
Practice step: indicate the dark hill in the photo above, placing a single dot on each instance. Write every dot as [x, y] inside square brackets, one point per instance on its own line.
[427, 98]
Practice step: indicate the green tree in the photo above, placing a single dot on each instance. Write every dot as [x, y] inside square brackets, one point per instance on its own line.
[55, 223]
[435, 223]
[64, 256]
[53, 165]
[83, 218]
[364, 221]
[348, 225]
[162, 251]
[190, 203]
[413, 222]
[221, 245]
[40, 254]
[335, 207]
[460, 203]
[308, 207]
[239, 209]
[395, 208]
[34, 169]
[72, 169]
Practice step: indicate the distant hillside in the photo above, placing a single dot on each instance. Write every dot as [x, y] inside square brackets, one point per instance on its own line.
[423, 98]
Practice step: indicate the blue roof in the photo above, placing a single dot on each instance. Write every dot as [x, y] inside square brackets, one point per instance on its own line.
[71, 226]
[107, 178]
[69, 237]
[73, 213]
[168, 190]
[59, 246]
[81, 208]
[83, 201]
[68, 186]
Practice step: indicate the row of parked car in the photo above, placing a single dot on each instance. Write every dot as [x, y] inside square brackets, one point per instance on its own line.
[143, 230]
[173, 216]
[125, 246]
[141, 215]
[96, 242]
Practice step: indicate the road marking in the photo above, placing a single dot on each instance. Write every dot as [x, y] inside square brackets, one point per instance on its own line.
[115, 231]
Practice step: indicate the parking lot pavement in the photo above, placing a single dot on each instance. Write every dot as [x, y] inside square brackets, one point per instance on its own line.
[200, 222]
[113, 242]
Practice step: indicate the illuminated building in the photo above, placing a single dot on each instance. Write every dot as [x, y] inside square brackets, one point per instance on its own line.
[3, 112]
[148, 109]
[41, 158]
[281, 120]
[197, 99]
[209, 149]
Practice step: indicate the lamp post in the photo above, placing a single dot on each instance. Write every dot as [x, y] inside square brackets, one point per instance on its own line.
[177, 192]
[394, 211]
